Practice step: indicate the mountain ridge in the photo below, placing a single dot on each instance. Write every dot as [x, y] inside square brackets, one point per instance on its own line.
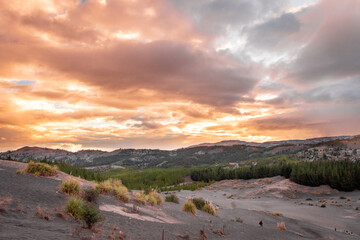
[198, 155]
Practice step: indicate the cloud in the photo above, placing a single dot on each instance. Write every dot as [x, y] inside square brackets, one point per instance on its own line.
[168, 74]
[269, 34]
[216, 16]
[333, 52]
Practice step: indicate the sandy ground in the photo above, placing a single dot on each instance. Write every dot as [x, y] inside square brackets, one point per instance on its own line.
[20, 195]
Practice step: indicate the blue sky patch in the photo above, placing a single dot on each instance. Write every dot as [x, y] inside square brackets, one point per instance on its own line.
[23, 82]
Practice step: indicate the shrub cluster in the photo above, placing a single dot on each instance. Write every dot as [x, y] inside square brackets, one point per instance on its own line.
[204, 206]
[172, 198]
[114, 186]
[90, 194]
[70, 187]
[80, 210]
[40, 169]
[152, 197]
[190, 207]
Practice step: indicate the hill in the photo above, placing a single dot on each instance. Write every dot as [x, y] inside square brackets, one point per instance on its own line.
[33, 208]
[343, 147]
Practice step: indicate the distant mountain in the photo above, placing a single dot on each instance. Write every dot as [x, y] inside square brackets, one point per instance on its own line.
[274, 143]
[342, 147]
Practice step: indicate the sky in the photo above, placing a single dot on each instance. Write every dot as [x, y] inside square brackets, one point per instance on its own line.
[166, 74]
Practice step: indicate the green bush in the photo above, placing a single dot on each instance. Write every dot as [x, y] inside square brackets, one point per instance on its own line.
[199, 203]
[90, 194]
[40, 169]
[172, 198]
[70, 186]
[190, 207]
[80, 210]
[75, 207]
[90, 215]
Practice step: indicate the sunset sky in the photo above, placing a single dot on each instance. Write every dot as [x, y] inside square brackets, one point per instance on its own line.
[108, 74]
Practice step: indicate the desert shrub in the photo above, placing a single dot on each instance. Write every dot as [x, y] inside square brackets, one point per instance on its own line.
[75, 207]
[40, 169]
[90, 194]
[209, 208]
[90, 215]
[199, 203]
[155, 198]
[141, 198]
[80, 210]
[152, 200]
[342, 197]
[172, 198]
[108, 186]
[190, 207]
[281, 226]
[20, 171]
[70, 186]
[121, 192]
[323, 205]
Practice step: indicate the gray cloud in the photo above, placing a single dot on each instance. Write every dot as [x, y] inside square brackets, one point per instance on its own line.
[215, 15]
[334, 51]
[270, 33]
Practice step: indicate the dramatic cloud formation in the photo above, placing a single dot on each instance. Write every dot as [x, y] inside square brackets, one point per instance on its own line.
[106, 74]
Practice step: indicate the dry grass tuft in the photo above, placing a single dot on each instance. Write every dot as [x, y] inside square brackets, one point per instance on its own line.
[40, 169]
[20, 171]
[172, 198]
[281, 226]
[114, 186]
[122, 193]
[190, 207]
[70, 187]
[209, 208]
[273, 213]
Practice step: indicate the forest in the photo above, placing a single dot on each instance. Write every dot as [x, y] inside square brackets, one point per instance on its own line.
[340, 175]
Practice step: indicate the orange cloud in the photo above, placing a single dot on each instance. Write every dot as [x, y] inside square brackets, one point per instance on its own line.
[110, 74]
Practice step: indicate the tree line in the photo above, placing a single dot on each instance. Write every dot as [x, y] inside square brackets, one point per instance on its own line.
[340, 175]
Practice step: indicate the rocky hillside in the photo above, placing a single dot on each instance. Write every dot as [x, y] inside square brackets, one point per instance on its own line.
[311, 149]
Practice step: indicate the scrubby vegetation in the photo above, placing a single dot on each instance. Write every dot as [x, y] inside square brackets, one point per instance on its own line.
[80, 210]
[341, 175]
[70, 187]
[204, 206]
[20, 171]
[190, 186]
[209, 208]
[190, 207]
[145, 179]
[40, 169]
[121, 192]
[108, 186]
[114, 186]
[90, 215]
[172, 198]
[74, 207]
[90, 194]
[199, 203]
[152, 197]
